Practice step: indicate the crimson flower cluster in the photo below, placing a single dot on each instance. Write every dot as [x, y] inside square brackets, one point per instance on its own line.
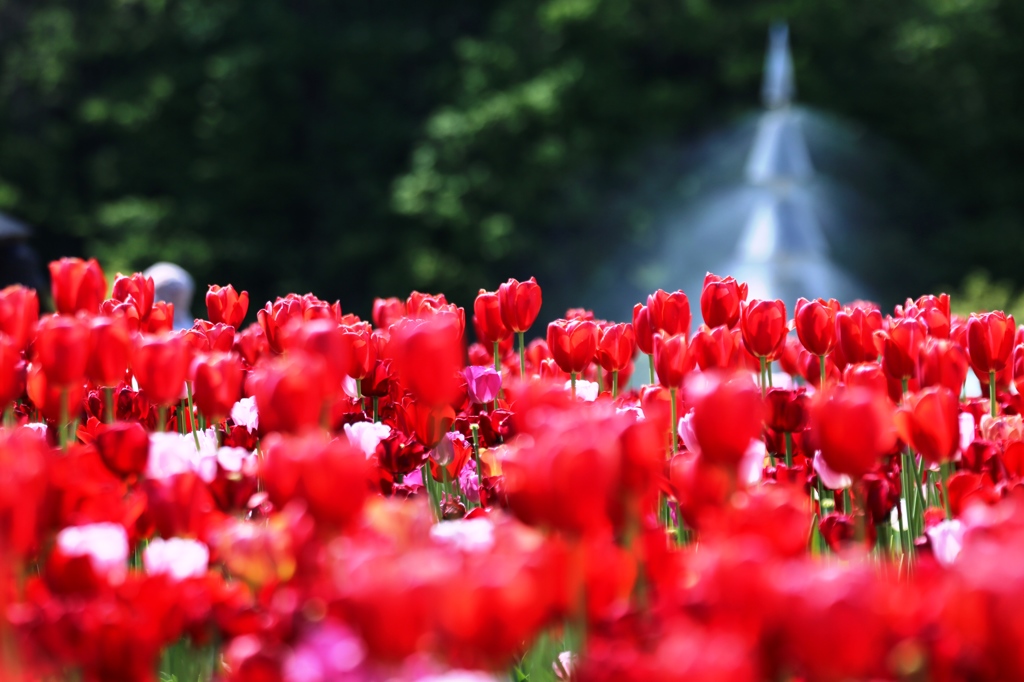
[319, 497]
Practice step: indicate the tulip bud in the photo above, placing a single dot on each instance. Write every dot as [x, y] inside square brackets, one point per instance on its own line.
[672, 359]
[217, 385]
[77, 285]
[990, 341]
[853, 427]
[160, 365]
[19, 312]
[62, 349]
[110, 348]
[519, 303]
[763, 327]
[124, 447]
[929, 422]
[490, 328]
[227, 306]
[720, 301]
[573, 344]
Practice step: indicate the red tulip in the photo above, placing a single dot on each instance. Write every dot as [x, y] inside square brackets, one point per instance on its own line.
[573, 344]
[815, 323]
[136, 290]
[19, 312]
[727, 414]
[990, 341]
[616, 347]
[720, 301]
[216, 385]
[856, 331]
[901, 347]
[62, 349]
[932, 311]
[276, 318]
[331, 476]
[251, 343]
[672, 359]
[77, 285]
[324, 339]
[929, 422]
[867, 375]
[12, 372]
[853, 427]
[716, 348]
[942, 364]
[110, 349]
[387, 311]
[763, 327]
[359, 349]
[669, 313]
[124, 447]
[490, 328]
[285, 397]
[160, 365]
[429, 423]
[227, 306]
[160, 320]
[428, 356]
[519, 303]
[788, 409]
[48, 397]
[642, 329]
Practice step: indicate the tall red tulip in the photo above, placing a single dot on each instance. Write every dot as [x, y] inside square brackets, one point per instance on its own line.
[853, 428]
[727, 414]
[12, 372]
[856, 334]
[224, 304]
[788, 409]
[135, 290]
[216, 384]
[325, 339]
[19, 312]
[815, 323]
[672, 359]
[110, 349]
[160, 365]
[669, 313]
[616, 346]
[285, 397]
[763, 326]
[428, 356]
[487, 321]
[77, 285]
[360, 350]
[387, 311]
[124, 447]
[62, 349]
[929, 422]
[932, 311]
[720, 301]
[716, 348]
[573, 344]
[642, 329]
[942, 363]
[990, 341]
[901, 347]
[519, 304]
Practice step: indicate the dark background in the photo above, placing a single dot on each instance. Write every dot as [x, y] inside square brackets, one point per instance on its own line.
[359, 149]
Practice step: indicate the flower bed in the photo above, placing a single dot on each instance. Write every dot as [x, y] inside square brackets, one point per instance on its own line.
[316, 497]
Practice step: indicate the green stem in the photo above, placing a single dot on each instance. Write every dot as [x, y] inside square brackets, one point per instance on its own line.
[906, 386]
[789, 450]
[572, 384]
[522, 355]
[770, 384]
[62, 428]
[108, 394]
[650, 366]
[161, 418]
[497, 368]
[993, 404]
[191, 413]
[615, 383]
[821, 361]
[904, 530]
[763, 376]
[376, 411]
[945, 488]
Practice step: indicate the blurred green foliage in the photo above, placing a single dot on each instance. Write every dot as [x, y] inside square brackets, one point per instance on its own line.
[360, 149]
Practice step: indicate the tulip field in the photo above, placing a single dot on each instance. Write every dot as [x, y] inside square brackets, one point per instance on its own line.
[792, 491]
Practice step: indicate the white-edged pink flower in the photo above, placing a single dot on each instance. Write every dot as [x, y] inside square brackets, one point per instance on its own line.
[947, 539]
[585, 390]
[470, 535]
[106, 545]
[177, 557]
[367, 435]
[244, 414]
[831, 479]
